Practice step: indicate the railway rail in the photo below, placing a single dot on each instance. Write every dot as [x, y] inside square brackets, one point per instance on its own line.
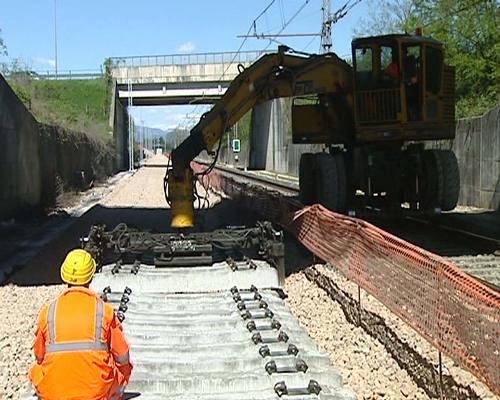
[476, 254]
[276, 182]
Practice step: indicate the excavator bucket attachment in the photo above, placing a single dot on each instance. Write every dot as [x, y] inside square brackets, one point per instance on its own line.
[181, 197]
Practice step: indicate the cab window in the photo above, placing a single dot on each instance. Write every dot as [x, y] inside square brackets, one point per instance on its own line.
[389, 64]
[411, 79]
[364, 67]
[411, 63]
[433, 59]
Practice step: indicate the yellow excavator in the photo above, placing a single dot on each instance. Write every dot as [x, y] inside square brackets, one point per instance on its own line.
[372, 118]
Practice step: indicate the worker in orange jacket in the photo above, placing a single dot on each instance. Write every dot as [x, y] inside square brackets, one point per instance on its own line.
[80, 349]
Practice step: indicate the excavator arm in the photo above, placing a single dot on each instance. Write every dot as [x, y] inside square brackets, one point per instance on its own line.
[273, 76]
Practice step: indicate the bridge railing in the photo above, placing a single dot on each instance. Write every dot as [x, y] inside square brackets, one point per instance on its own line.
[187, 59]
[61, 75]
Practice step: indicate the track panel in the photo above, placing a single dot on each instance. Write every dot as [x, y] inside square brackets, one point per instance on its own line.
[190, 339]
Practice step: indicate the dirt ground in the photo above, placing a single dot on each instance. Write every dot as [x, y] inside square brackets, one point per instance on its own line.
[367, 365]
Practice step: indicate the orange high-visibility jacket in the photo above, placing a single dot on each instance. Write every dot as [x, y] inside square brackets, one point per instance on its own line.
[80, 348]
[392, 70]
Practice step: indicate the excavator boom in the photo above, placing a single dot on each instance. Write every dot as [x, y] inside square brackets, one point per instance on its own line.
[273, 76]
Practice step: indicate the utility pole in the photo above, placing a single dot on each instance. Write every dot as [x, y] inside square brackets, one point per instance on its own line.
[141, 143]
[55, 33]
[130, 129]
[326, 28]
[329, 19]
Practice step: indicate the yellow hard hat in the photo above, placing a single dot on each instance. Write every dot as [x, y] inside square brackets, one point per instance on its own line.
[78, 267]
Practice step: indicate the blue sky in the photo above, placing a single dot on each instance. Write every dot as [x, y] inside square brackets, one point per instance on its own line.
[89, 31]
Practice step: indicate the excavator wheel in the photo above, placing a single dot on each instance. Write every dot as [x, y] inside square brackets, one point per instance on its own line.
[331, 181]
[430, 181]
[342, 181]
[450, 176]
[307, 184]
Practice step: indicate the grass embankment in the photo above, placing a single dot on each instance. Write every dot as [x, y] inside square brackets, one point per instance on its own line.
[78, 105]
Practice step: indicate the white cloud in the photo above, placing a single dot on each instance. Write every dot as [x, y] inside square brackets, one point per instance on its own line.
[44, 61]
[187, 47]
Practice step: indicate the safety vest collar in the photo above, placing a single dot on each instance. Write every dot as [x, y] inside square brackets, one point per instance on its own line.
[79, 289]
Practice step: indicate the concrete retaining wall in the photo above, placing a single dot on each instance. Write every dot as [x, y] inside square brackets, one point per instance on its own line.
[63, 154]
[477, 146]
[37, 160]
[20, 174]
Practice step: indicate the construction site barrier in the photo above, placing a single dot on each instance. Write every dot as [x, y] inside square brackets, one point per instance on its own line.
[456, 313]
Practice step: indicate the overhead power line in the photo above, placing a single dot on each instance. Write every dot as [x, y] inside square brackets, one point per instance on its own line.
[288, 22]
[187, 120]
[325, 33]
[252, 26]
[282, 13]
[275, 35]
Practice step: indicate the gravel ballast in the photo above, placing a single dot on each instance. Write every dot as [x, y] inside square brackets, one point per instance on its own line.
[19, 308]
[364, 360]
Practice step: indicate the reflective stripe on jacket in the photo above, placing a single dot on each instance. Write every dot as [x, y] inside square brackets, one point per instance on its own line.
[79, 347]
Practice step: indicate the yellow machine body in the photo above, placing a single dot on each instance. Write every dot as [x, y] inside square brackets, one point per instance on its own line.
[357, 110]
[272, 76]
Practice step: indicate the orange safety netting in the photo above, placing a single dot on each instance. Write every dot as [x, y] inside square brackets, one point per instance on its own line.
[456, 313]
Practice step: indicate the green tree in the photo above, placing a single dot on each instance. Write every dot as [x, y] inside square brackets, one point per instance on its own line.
[470, 34]
[3, 52]
[388, 16]
[3, 48]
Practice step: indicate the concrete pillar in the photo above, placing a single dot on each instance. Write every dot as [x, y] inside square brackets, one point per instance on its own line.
[259, 137]
[267, 144]
[277, 153]
[120, 133]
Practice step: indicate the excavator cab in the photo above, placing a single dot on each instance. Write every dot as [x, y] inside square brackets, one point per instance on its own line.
[402, 89]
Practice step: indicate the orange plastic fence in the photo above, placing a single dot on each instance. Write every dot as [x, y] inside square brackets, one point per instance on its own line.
[456, 313]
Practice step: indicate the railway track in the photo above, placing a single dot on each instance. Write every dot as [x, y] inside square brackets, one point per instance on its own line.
[484, 266]
[476, 254]
[201, 328]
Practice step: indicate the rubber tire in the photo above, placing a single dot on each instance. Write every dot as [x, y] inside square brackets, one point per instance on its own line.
[430, 181]
[307, 183]
[331, 181]
[342, 182]
[450, 178]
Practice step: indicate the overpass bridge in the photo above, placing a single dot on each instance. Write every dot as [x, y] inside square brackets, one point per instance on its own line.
[199, 78]
[176, 79]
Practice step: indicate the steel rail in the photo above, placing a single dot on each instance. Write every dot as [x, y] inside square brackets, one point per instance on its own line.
[292, 188]
[475, 236]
